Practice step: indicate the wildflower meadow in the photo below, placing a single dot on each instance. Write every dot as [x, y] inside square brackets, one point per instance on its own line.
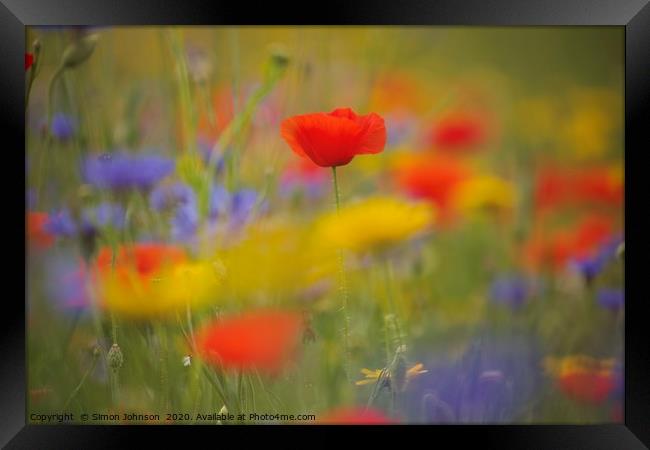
[324, 225]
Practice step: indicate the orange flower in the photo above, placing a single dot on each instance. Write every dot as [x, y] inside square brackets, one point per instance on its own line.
[333, 139]
[355, 416]
[563, 245]
[264, 340]
[558, 187]
[434, 179]
[36, 232]
[209, 128]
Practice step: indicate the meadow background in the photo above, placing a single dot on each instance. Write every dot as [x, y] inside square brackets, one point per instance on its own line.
[502, 303]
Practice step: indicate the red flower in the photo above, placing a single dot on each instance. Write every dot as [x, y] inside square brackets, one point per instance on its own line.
[29, 60]
[146, 259]
[458, 132]
[589, 387]
[355, 416]
[561, 246]
[260, 340]
[434, 179]
[333, 139]
[562, 187]
[36, 233]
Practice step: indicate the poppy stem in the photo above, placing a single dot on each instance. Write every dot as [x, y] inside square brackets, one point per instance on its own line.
[343, 287]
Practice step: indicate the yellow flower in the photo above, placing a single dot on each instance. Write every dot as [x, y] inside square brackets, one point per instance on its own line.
[485, 193]
[165, 293]
[371, 376]
[374, 223]
[275, 260]
[559, 367]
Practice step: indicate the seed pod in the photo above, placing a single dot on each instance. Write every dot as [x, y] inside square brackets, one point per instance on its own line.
[115, 358]
[78, 52]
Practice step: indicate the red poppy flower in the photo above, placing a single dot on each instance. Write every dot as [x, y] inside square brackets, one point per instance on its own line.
[36, 233]
[434, 179]
[333, 139]
[561, 187]
[458, 132]
[589, 387]
[146, 259]
[29, 60]
[355, 416]
[264, 340]
[561, 246]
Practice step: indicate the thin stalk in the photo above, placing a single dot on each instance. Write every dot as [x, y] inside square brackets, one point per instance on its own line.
[83, 380]
[391, 301]
[343, 287]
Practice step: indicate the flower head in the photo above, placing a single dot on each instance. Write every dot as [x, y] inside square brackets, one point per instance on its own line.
[375, 223]
[29, 60]
[511, 290]
[485, 193]
[458, 132]
[38, 233]
[120, 171]
[263, 340]
[334, 139]
[371, 376]
[612, 299]
[62, 126]
[435, 179]
[583, 378]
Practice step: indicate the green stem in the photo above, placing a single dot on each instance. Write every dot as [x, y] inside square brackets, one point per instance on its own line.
[343, 287]
[83, 380]
[391, 302]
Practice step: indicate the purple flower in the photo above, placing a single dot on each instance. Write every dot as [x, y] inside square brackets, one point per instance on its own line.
[62, 126]
[219, 202]
[243, 202]
[67, 282]
[120, 171]
[512, 291]
[169, 196]
[105, 214]
[609, 298]
[185, 222]
[493, 382]
[591, 266]
[61, 224]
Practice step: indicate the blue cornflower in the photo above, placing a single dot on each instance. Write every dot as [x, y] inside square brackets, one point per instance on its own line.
[62, 126]
[243, 202]
[492, 382]
[512, 291]
[61, 224]
[185, 221]
[593, 265]
[104, 214]
[169, 196]
[219, 202]
[609, 298]
[120, 171]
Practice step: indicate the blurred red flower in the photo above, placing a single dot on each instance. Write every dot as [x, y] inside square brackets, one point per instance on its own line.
[589, 387]
[564, 187]
[355, 416]
[458, 132]
[29, 60]
[263, 340]
[146, 258]
[36, 233]
[434, 179]
[560, 246]
[333, 139]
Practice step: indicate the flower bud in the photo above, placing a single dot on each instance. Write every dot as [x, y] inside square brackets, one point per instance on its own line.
[115, 358]
[78, 52]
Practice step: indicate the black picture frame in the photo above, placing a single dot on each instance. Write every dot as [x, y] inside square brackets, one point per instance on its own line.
[633, 15]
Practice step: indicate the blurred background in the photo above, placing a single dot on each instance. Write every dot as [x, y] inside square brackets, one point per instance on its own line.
[162, 201]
